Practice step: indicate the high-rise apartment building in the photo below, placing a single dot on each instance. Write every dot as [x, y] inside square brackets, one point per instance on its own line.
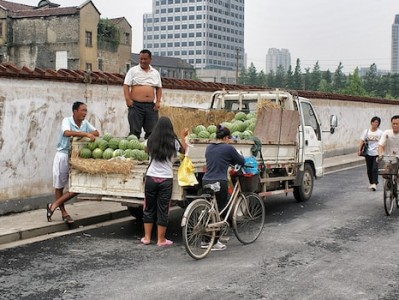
[395, 46]
[209, 34]
[275, 58]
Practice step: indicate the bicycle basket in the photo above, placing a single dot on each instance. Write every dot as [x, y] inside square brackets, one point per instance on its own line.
[248, 183]
[388, 165]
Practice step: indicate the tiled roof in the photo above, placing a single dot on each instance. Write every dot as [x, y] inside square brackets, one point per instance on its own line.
[46, 12]
[77, 76]
[11, 6]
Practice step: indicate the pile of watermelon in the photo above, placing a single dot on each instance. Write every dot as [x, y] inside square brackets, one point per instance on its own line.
[107, 147]
[241, 127]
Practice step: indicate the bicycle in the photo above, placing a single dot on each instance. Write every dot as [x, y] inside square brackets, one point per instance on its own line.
[202, 220]
[388, 168]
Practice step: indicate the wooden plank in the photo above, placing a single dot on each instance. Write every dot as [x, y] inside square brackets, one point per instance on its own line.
[276, 126]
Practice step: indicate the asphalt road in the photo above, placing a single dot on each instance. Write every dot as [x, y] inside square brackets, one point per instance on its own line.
[338, 245]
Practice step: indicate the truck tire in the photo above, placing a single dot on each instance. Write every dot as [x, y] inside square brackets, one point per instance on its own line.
[303, 192]
[136, 212]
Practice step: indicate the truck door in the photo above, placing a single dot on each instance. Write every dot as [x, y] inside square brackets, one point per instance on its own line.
[313, 147]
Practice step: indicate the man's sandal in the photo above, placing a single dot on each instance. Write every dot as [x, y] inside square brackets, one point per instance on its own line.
[67, 219]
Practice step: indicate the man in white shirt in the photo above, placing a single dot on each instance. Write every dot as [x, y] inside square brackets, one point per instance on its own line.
[389, 142]
[142, 85]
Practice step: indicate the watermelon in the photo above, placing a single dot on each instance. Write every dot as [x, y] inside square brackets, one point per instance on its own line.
[92, 145]
[237, 134]
[251, 116]
[251, 127]
[211, 128]
[246, 135]
[123, 144]
[240, 116]
[107, 136]
[113, 143]
[212, 135]
[97, 153]
[198, 129]
[102, 144]
[134, 144]
[117, 152]
[107, 154]
[193, 136]
[132, 137]
[85, 152]
[204, 134]
[128, 153]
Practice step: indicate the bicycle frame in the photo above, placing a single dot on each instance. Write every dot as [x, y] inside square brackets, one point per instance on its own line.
[229, 207]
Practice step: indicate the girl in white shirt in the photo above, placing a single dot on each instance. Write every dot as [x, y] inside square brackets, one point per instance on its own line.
[371, 135]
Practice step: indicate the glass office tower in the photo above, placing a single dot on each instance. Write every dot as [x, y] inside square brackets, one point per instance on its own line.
[208, 34]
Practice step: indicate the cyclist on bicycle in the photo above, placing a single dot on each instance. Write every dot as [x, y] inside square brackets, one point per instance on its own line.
[389, 142]
[219, 156]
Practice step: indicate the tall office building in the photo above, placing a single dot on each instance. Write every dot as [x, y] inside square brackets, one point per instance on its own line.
[209, 34]
[395, 46]
[276, 58]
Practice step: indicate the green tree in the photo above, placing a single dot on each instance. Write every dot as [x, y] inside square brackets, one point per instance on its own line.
[243, 77]
[252, 74]
[339, 79]
[307, 80]
[280, 77]
[371, 81]
[297, 80]
[270, 80]
[315, 77]
[355, 85]
[108, 35]
[261, 81]
[289, 81]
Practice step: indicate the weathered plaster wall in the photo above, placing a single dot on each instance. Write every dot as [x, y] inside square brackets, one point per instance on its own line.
[31, 112]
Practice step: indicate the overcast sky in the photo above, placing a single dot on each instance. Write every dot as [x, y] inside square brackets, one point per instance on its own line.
[355, 32]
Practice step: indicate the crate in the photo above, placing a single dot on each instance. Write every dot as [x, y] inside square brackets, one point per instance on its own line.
[249, 184]
[388, 165]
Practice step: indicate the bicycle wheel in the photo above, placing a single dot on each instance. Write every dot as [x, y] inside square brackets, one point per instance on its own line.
[388, 197]
[248, 218]
[197, 241]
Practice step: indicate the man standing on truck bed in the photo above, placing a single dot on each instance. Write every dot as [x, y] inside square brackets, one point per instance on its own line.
[141, 86]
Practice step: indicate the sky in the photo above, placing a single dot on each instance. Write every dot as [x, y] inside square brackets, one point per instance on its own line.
[354, 32]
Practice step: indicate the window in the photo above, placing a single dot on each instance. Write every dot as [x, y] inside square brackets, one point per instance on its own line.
[88, 67]
[1, 29]
[127, 38]
[127, 67]
[89, 39]
[101, 65]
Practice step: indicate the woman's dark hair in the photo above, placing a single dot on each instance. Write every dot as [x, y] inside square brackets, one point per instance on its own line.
[222, 131]
[76, 105]
[376, 119]
[162, 141]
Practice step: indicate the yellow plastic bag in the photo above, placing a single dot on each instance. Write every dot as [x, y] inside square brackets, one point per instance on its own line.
[185, 173]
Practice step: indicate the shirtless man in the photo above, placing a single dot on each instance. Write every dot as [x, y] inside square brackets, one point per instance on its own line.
[141, 87]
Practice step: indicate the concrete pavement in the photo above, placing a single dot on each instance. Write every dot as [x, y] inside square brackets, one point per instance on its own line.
[33, 225]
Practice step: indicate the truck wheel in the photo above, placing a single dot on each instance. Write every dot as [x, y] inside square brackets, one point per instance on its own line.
[304, 191]
[136, 212]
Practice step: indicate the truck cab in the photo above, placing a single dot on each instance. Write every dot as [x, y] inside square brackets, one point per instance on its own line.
[309, 133]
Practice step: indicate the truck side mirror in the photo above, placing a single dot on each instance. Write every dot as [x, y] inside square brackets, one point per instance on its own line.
[333, 123]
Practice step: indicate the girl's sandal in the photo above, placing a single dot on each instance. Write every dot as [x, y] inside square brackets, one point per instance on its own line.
[49, 212]
[67, 219]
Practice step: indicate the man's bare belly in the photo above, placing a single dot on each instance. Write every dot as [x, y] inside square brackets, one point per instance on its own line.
[142, 93]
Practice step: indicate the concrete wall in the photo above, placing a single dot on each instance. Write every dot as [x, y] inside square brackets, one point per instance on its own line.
[31, 112]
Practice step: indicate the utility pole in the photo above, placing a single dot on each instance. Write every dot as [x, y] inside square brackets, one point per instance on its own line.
[237, 56]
